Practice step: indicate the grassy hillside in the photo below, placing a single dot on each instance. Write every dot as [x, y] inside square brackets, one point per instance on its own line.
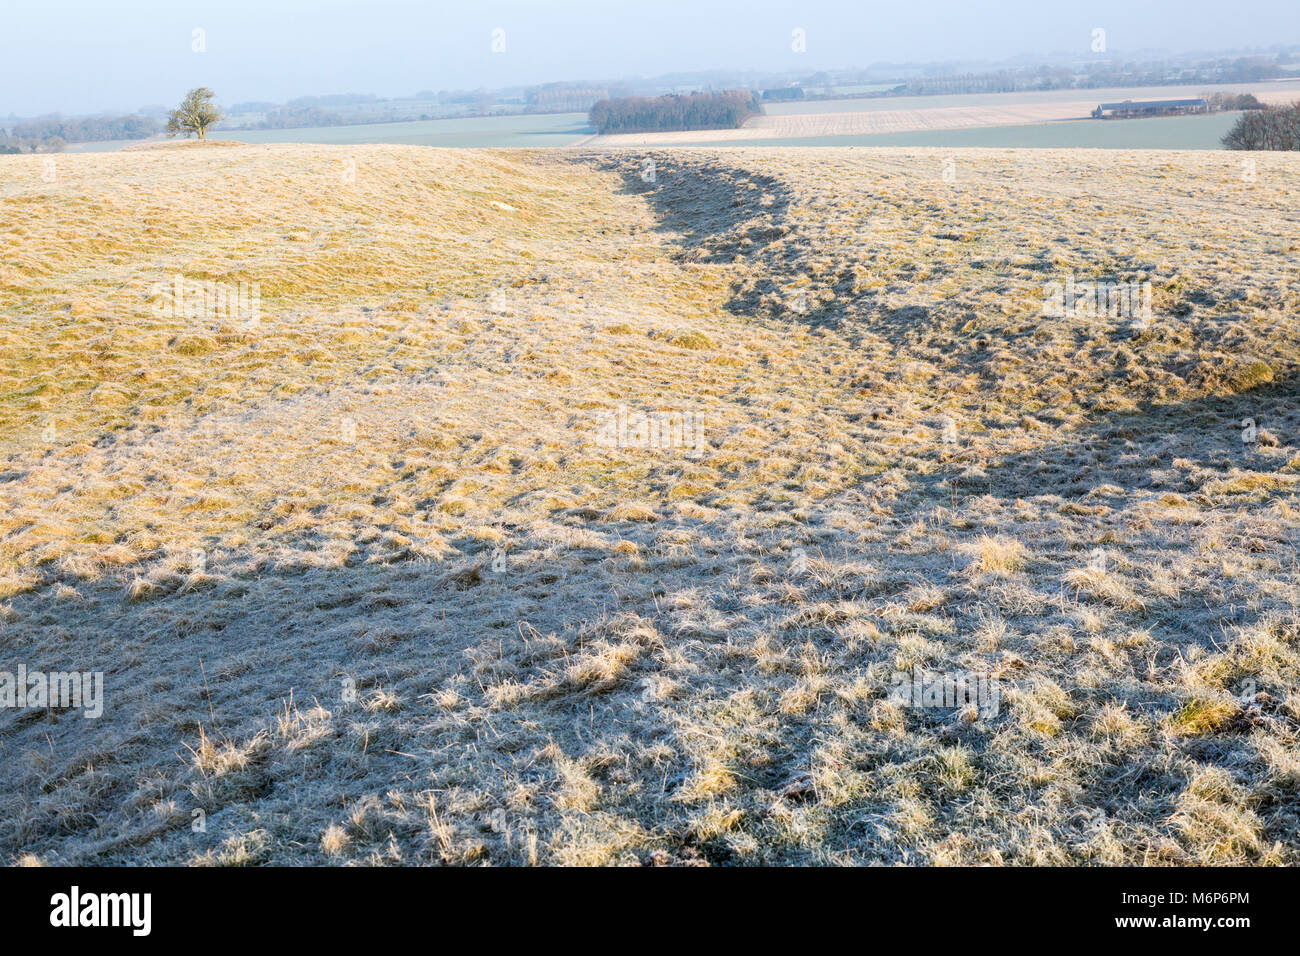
[368, 585]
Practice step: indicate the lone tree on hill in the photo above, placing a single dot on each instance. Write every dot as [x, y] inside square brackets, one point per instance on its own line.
[195, 114]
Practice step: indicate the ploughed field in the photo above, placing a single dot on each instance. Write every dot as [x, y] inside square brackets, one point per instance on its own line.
[587, 507]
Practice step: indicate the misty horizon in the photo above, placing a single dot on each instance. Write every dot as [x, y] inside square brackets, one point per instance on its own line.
[395, 48]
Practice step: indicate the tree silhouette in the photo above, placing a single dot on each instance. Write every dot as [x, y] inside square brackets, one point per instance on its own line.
[1275, 127]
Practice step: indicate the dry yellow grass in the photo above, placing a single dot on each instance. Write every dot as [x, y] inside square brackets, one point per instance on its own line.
[443, 494]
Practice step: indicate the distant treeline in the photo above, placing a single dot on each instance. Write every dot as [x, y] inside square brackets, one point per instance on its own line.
[303, 116]
[644, 114]
[52, 133]
[292, 117]
[1228, 102]
[1097, 76]
[1000, 81]
[334, 99]
[1273, 127]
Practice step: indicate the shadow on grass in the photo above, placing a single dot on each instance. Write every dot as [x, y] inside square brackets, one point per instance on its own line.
[1136, 449]
[715, 211]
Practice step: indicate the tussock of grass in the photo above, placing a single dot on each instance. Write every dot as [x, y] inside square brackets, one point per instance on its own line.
[1203, 717]
[692, 340]
[998, 556]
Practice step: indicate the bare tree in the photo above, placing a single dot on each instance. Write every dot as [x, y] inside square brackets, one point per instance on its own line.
[195, 114]
[1276, 127]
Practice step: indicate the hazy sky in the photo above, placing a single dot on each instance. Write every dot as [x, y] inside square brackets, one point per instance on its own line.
[78, 56]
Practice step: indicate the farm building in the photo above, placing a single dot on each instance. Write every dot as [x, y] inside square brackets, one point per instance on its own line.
[1131, 108]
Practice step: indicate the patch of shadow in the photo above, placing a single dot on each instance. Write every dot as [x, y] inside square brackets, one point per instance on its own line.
[721, 213]
[716, 211]
[1136, 448]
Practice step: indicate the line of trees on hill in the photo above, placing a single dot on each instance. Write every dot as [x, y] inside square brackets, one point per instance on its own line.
[999, 81]
[1273, 127]
[287, 117]
[52, 133]
[1095, 76]
[676, 111]
[1227, 102]
[291, 117]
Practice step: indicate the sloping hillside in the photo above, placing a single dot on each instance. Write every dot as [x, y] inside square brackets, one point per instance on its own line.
[585, 507]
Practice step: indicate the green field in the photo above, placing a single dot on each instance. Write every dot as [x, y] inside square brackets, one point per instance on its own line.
[550, 129]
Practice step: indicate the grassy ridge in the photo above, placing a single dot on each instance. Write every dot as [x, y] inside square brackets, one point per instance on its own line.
[367, 585]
